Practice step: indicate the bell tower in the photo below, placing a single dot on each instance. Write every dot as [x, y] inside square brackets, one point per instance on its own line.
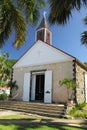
[43, 32]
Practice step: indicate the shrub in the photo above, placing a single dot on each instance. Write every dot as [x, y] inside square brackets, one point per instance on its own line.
[81, 105]
[78, 107]
[79, 111]
[80, 114]
[3, 96]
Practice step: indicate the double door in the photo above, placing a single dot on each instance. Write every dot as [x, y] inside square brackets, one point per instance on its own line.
[40, 89]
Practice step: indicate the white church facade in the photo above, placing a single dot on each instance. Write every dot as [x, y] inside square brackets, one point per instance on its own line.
[40, 69]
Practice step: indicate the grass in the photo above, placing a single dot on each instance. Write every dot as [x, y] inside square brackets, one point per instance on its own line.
[36, 126]
[80, 111]
[27, 122]
[19, 116]
[24, 117]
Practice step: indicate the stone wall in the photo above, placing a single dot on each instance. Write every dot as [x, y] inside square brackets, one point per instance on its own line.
[59, 71]
[80, 80]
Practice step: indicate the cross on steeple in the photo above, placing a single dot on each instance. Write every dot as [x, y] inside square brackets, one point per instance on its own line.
[44, 14]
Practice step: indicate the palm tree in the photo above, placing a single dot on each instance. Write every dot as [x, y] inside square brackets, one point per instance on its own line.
[84, 34]
[12, 85]
[14, 16]
[69, 84]
[61, 10]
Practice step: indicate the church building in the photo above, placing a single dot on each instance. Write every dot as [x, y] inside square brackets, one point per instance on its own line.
[40, 69]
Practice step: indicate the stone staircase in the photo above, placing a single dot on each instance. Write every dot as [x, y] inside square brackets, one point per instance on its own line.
[49, 110]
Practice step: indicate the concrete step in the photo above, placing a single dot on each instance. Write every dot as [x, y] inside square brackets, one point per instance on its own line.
[31, 103]
[51, 110]
[36, 112]
[35, 107]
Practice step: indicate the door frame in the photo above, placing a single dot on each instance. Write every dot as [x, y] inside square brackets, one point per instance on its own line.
[33, 83]
[47, 85]
[39, 88]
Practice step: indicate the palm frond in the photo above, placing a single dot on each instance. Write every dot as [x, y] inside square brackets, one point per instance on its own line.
[68, 82]
[10, 19]
[84, 38]
[61, 10]
[5, 22]
[84, 34]
[84, 2]
[85, 20]
[19, 25]
[31, 8]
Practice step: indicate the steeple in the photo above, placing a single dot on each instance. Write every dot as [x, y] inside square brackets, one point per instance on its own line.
[43, 32]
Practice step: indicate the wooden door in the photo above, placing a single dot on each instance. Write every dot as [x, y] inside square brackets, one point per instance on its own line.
[48, 87]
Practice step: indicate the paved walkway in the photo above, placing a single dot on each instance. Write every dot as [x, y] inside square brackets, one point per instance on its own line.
[7, 112]
[82, 123]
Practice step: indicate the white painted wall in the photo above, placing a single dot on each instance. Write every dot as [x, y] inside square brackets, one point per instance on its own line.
[42, 53]
[26, 87]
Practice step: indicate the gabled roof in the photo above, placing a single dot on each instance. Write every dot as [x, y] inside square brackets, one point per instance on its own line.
[49, 54]
[42, 53]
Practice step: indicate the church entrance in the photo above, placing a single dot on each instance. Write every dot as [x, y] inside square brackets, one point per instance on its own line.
[38, 86]
[39, 91]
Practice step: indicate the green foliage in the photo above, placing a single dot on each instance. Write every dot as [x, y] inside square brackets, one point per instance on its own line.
[69, 84]
[84, 34]
[31, 9]
[81, 105]
[61, 10]
[35, 125]
[5, 69]
[3, 96]
[85, 63]
[79, 111]
[12, 85]
[11, 62]
[81, 115]
[78, 107]
[14, 16]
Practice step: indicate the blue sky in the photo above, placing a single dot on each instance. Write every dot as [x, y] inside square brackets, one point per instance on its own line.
[66, 38]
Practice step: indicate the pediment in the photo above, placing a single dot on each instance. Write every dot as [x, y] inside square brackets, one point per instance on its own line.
[41, 53]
